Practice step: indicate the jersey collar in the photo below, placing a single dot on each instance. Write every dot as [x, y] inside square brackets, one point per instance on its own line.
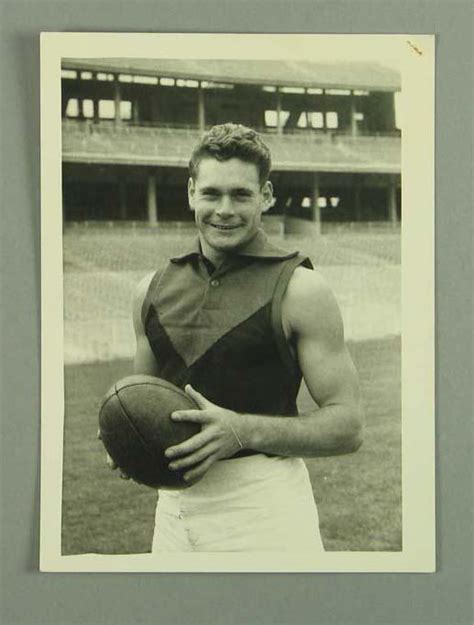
[259, 247]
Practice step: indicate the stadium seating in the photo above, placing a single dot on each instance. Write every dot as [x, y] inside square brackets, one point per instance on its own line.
[108, 143]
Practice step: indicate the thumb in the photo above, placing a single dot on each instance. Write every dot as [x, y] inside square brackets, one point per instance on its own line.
[200, 400]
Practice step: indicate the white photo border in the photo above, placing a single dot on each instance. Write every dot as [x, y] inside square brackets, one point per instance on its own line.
[416, 54]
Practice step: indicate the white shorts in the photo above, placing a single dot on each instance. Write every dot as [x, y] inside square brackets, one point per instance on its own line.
[254, 503]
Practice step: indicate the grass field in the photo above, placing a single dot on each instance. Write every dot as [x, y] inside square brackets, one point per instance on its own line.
[141, 249]
[103, 265]
[359, 495]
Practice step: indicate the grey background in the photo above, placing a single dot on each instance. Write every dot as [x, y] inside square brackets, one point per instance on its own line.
[26, 596]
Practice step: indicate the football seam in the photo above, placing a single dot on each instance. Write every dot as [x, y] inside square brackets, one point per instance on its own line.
[134, 428]
[177, 391]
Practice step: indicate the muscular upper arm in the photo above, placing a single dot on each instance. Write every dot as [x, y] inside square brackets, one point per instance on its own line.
[313, 320]
[144, 361]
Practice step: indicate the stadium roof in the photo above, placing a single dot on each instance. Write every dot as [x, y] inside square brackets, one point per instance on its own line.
[363, 76]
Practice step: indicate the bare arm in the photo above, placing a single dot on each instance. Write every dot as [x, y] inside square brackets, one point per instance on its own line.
[312, 319]
[312, 322]
[144, 361]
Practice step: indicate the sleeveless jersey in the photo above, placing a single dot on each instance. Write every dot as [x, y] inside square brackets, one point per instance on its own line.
[221, 330]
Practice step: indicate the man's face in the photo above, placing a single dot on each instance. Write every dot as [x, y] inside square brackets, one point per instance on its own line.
[228, 203]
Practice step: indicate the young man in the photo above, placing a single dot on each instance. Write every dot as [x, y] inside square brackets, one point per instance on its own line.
[237, 322]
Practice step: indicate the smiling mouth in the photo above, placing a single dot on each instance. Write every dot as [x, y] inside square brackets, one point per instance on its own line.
[224, 227]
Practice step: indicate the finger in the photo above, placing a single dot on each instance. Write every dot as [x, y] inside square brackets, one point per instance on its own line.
[190, 445]
[123, 475]
[195, 416]
[199, 398]
[192, 459]
[99, 435]
[196, 473]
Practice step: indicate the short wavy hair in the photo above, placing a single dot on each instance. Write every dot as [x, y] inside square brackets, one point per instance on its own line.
[226, 141]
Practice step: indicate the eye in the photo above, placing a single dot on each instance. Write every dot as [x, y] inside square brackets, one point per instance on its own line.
[242, 196]
[210, 195]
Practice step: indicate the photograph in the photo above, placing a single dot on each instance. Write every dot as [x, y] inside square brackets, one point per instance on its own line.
[231, 235]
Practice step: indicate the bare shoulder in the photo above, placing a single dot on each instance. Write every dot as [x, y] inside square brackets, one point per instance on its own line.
[139, 298]
[309, 306]
[308, 287]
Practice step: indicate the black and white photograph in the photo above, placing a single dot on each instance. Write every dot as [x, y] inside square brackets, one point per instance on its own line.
[237, 270]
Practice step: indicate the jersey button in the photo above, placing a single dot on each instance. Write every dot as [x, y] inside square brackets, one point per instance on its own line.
[215, 282]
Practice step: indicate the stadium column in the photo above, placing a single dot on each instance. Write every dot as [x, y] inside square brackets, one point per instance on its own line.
[392, 202]
[135, 111]
[278, 111]
[324, 108]
[151, 196]
[315, 203]
[353, 115]
[201, 109]
[96, 102]
[117, 99]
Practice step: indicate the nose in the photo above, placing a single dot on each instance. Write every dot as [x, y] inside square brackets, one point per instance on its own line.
[226, 207]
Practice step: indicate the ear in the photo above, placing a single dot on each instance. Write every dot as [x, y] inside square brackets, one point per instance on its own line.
[191, 189]
[268, 199]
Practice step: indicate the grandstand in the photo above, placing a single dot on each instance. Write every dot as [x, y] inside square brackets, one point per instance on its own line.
[129, 126]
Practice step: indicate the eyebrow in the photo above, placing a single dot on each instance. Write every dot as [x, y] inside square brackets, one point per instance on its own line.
[208, 189]
[243, 190]
[233, 190]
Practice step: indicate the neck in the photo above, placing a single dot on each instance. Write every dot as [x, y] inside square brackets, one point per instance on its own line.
[216, 257]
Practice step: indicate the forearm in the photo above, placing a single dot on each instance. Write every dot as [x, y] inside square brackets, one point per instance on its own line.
[332, 430]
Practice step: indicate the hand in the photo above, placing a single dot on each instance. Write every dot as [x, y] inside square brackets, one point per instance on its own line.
[217, 439]
[111, 463]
